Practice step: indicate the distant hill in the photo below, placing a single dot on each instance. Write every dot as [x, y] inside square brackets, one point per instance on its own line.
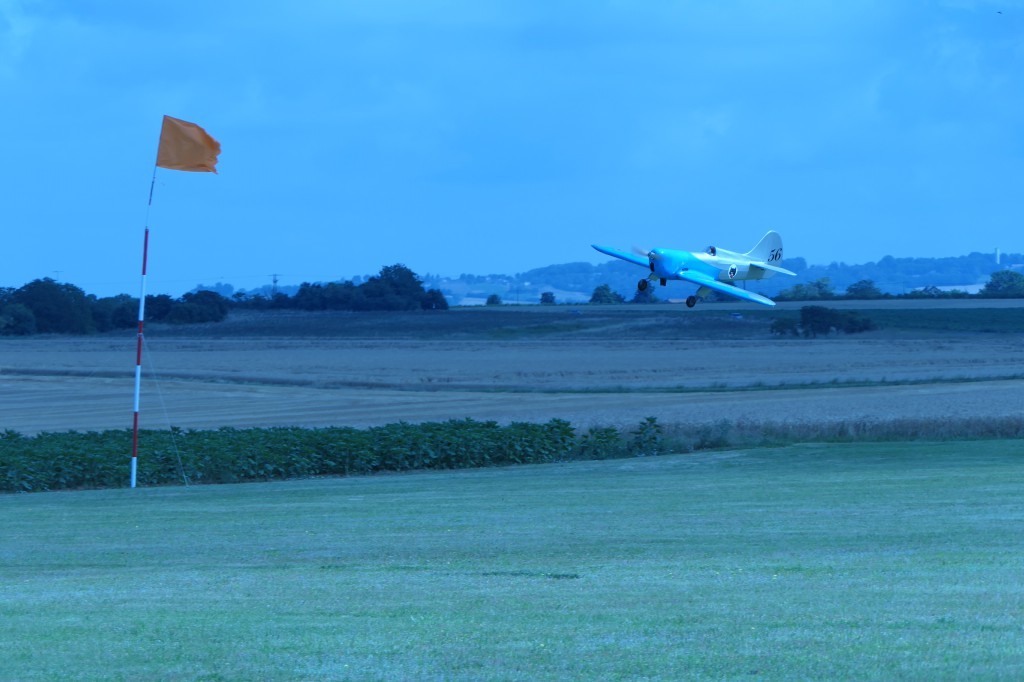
[575, 282]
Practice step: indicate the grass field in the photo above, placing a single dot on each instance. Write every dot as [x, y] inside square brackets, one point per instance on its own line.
[893, 561]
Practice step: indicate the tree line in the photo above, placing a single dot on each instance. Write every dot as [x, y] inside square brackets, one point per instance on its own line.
[396, 287]
[1001, 284]
[45, 306]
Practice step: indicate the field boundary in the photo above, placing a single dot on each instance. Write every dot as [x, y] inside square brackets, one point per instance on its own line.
[456, 386]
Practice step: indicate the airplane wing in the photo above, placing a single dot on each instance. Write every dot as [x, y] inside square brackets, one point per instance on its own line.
[773, 268]
[642, 261]
[712, 283]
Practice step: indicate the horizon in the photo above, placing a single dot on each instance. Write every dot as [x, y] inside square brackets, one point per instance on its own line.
[424, 276]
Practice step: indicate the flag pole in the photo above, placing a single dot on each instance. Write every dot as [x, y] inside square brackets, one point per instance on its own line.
[138, 349]
[183, 146]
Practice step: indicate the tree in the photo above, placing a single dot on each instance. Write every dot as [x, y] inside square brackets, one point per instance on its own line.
[399, 281]
[1004, 284]
[341, 295]
[158, 307]
[198, 307]
[784, 326]
[433, 299]
[115, 312]
[812, 291]
[396, 288]
[16, 320]
[547, 298]
[645, 296]
[494, 299]
[604, 294]
[58, 308]
[852, 322]
[863, 289]
[816, 319]
[280, 300]
[310, 297]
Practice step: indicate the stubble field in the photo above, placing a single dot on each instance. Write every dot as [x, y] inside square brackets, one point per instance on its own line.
[589, 365]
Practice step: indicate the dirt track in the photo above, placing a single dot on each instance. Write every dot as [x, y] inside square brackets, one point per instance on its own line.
[57, 384]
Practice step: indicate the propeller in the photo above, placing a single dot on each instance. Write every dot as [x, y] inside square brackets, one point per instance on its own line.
[652, 255]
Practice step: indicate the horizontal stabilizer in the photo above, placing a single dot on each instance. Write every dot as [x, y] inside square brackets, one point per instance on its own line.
[772, 268]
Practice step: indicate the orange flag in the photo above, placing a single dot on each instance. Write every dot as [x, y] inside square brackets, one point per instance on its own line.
[187, 147]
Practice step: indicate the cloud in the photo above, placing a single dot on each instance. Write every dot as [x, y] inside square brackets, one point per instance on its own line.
[16, 29]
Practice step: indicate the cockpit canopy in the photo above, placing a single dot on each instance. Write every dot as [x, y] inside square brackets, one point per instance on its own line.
[712, 251]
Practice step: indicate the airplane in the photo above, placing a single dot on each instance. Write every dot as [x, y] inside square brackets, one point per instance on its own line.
[714, 270]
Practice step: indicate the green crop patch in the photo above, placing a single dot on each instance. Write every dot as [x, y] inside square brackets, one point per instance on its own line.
[72, 460]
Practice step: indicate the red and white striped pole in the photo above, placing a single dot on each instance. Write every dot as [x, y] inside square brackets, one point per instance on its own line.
[138, 350]
[183, 146]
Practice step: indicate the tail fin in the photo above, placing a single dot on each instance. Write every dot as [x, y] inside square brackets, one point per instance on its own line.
[768, 250]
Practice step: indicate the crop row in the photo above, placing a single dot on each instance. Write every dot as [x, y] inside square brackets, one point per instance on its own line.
[75, 460]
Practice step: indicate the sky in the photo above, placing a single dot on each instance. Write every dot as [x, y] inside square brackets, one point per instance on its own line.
[493, 137]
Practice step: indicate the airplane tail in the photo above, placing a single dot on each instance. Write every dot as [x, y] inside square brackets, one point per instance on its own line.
[768, 250]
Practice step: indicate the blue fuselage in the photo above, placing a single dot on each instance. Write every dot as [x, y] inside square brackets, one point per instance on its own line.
[724, 267]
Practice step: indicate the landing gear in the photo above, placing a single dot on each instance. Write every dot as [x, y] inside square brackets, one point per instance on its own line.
[691, 301]
[642, 285]
[663, 281]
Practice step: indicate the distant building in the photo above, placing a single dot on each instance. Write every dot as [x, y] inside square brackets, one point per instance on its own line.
[966, 288]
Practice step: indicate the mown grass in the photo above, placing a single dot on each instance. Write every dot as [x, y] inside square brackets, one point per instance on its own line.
[858, 561]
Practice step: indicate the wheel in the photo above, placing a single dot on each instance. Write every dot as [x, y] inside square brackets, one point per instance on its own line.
[691, 301]
[642, 285]
[663, 281]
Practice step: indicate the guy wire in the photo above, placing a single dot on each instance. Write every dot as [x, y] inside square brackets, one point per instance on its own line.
[163, 405]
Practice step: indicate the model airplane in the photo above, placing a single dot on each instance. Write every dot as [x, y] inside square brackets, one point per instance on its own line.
[713, 270]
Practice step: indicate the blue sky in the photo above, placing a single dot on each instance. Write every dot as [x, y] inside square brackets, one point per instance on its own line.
[495, 137]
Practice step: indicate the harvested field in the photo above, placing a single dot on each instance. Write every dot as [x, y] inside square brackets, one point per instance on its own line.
[592, 366]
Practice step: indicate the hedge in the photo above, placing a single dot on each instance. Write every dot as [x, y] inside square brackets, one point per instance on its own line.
[75, 460]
